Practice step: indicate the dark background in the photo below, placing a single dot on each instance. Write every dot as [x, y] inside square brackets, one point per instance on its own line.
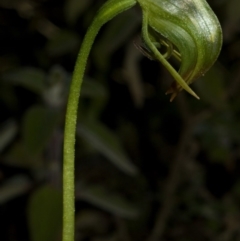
[146, 169]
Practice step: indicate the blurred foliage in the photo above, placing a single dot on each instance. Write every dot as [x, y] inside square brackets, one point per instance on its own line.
[146, 169]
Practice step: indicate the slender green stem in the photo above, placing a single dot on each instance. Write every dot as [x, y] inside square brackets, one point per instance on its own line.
[106, 13]
[161, 58]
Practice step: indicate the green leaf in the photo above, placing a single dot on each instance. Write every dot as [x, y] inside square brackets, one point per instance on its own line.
[14, 187]
[101, 197]
[45, 214]
[103, 140]
[19, 156]
[38, 125]
[32, 79]
[8, 131]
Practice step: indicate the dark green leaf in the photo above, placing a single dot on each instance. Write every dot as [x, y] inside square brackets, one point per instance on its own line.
[103, 140]
[45, 214]
[38, 125]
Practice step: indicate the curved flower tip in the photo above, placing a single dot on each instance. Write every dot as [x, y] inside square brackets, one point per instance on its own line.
[191, 34]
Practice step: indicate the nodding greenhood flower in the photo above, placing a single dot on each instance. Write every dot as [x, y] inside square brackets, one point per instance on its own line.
[190, 31]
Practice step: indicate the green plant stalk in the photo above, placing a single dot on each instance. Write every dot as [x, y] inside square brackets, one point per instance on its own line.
[196, 34]
[109, 10]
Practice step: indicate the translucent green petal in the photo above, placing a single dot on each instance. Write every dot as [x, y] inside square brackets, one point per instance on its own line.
[192, 27]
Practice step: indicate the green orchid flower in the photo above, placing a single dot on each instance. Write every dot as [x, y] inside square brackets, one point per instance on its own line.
[193, 29]
[190, 32]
